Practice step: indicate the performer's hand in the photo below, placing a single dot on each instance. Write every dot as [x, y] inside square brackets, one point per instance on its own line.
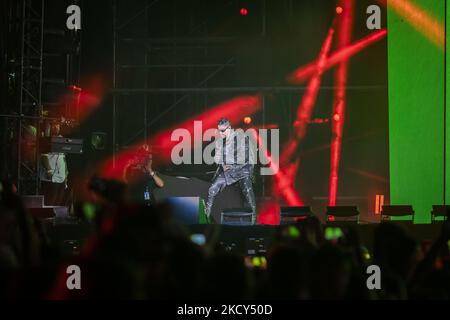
[226, 167]
[49, 174]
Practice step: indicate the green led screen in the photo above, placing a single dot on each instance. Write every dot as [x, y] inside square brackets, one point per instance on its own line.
[417, 143]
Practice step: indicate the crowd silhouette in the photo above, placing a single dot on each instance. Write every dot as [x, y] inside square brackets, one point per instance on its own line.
[140, 252]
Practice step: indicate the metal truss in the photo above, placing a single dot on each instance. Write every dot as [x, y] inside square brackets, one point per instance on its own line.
[30, 93]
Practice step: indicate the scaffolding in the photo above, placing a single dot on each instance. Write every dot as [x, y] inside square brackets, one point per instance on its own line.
[30, 93]
[25, 102]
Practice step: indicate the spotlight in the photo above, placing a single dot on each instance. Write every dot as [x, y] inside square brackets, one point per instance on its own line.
[336, 117]
[339, 10]
[243, 11]
[248, 120]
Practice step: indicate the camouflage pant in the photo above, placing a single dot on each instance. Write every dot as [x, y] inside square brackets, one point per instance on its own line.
[246, 188]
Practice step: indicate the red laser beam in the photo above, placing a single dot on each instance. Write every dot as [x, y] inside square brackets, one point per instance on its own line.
[368, 175]
[269, 213]
[306, 106]
[284, 180]
[344, 31]
[303, 73]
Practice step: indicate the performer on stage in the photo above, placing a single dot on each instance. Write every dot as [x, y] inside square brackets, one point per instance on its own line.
[142, 180]
[235, 162]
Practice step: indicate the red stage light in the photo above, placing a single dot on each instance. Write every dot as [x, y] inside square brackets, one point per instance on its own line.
[336, 117]
[248, 120]
[307, 104]
[283, 180]
[244, 11]
[303, 73]
[270, 213]
[339, 10]
[340, 80]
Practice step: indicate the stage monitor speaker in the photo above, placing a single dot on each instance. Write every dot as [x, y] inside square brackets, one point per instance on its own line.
[440, 212]
[289, 215]
[236, 216]
[404, 211]
[342, 214]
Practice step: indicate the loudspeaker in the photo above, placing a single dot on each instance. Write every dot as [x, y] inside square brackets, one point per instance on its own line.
[236, 216]
[342, 214]
[440, 211]
[289, 215]
[389, 211]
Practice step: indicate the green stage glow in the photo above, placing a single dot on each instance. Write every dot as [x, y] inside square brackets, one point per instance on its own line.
[416, 114]
[294, 232]
[89, 211]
